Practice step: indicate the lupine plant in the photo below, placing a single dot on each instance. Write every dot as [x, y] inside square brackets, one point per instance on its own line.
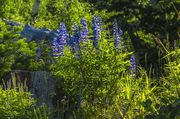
[117, 33]
[58, 43]
[38, 50]
[55, 47]
[133, 66]
[99, 83]
[84, 31]
[62, 37]
[97, 26]
[95, 75]
[75, 36]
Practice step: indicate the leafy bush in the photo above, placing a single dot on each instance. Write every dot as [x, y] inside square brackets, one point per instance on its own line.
[18, 10]
[94, 76]
[15, 52]
[69, 12]
[20, 105]
[15, 105]
[99, 80]
[91, 71]
[102, 88]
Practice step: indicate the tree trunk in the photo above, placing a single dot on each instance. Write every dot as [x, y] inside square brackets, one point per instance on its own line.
[35, 11]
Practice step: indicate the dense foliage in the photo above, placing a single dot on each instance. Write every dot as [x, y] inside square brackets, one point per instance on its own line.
[101, 81]
[15, 52]
[147, 22]
[15, 105]
[112, 58]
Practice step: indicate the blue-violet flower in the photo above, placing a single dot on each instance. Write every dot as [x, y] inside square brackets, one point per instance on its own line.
[117, 33]
[97, 24]
[133, 66]
[84, 31]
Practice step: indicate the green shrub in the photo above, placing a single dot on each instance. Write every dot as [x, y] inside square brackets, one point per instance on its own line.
[52, 12]
[14, 105]
[94, 76]
[99, 83]
[20, 105]
[15, 52]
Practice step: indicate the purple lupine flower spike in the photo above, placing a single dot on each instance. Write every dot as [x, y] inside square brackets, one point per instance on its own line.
[117, 33]
[76, 34]
[96, 30]
[38, 50]
[63, 35]
[59, 41]
[84, 31]
[55, 46]
[133, 66]
[76, 39]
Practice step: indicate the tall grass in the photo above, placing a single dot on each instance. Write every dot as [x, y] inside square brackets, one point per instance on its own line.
[101, 86]
[17, 103]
